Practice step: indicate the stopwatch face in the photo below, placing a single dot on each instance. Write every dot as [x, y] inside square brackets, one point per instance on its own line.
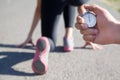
[90, 19]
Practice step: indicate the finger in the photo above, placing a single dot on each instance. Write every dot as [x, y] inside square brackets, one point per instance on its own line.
[81, 27]
[84, 26]
[81, 10]
[89, 7]
[95, 8]
[95, 46]
[77, 26]
[80, 19]
[21, 45]
[89, 31]
[89, 38]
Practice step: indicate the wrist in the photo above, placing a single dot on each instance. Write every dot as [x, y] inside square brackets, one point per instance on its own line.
[117, 33]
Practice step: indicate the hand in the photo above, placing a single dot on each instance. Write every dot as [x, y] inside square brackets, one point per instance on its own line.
[106, 28]
[27, 41]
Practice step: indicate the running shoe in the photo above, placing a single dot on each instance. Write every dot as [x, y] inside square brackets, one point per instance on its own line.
[40, 60]
[68, 44]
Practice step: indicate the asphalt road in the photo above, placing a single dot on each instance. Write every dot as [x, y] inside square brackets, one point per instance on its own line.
[81, 64]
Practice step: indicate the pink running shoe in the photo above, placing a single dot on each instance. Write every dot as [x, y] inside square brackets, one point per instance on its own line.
[68, 44]
[40, 60]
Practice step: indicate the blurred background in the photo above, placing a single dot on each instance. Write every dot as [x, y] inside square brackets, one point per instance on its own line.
[115, 4]
[82, 64]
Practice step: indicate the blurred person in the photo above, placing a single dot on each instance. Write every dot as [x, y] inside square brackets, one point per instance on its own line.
[50, 14]
[68, 14]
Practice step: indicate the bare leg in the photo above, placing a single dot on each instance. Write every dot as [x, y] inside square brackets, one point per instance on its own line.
[69, 33]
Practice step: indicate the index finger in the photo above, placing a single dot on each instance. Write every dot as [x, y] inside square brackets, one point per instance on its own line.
[94, 8]
[81, 10]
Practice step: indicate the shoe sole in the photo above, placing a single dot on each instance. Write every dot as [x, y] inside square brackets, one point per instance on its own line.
[39, 65]
[68, 49]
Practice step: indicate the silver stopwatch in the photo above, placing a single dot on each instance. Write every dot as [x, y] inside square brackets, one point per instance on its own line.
[90, 19]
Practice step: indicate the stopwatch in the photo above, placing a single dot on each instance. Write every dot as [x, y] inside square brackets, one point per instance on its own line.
[90, 19]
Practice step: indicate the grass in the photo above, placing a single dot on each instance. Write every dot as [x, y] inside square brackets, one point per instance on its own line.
[115, 4]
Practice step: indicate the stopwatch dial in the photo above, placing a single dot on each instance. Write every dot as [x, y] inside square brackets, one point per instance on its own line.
[90, 19]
